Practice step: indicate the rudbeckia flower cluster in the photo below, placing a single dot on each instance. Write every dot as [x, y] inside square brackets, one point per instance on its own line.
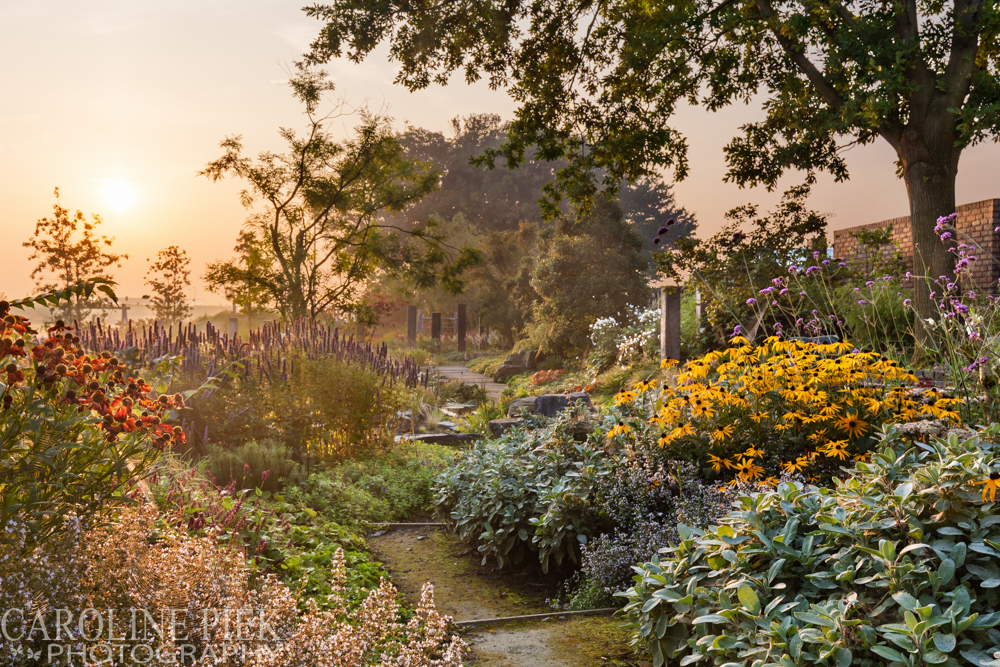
[751, 413]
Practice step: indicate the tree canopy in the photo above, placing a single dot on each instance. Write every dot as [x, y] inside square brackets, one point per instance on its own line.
[69, 248]
[502, 199]
[317, 224]
[597, 82]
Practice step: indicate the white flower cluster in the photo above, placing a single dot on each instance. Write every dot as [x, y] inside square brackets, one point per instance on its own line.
[623, 342]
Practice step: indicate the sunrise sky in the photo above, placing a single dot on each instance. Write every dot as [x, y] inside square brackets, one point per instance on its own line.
[119, 104]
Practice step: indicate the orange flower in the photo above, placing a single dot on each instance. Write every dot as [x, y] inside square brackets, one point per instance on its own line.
[990, 485]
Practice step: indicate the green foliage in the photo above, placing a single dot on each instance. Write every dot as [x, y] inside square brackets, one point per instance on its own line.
[246, 463]
[882, 322]
[478, 421]
[527, 492]
[279, 534]
[82, 289]
[319, 234]
[743, 257]
[326, 408]
[897, 565]
[591, 267]
[597, 85]
[461, 392]
[243, 280]
[393, 487]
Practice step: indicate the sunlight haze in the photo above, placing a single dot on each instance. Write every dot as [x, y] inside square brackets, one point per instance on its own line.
[120, 104]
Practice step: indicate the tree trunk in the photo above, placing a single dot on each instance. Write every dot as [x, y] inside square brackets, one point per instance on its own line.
[930, 184]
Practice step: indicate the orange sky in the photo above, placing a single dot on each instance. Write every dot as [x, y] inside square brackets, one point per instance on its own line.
[134, 96]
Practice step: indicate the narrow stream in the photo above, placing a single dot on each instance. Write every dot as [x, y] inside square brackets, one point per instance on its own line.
[465, 590]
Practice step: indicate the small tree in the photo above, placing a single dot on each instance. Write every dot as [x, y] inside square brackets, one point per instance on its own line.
[69, 251]
[169, 277]
[321, 212]
[244, 280]
[589, 268]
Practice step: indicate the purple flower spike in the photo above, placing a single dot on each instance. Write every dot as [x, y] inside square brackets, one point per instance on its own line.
[907, 302]
[656, 241]
[670, 222]
[751, 301]
[793, 268]
[661, 230]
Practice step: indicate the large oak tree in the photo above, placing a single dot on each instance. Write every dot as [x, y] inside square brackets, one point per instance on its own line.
[597, 81]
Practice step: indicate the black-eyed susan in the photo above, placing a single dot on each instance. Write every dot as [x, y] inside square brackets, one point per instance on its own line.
[721, 433]
[852, 425]
[668, 363]
[753, 452]
[621, 428]
[835, 449]
[747, 470]
[797, 465]
[624, 397]
[643, 387]
[990, 485]
[718, 463]
[664, 439]
[682, 430]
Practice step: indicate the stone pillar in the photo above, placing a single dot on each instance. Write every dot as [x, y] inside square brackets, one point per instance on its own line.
[670, 323]
[436, 326]
[234, 325]
[460, 327]
[411, 325]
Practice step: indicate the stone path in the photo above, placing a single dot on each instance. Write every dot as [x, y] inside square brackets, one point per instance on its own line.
[465, 590]
[463, 374]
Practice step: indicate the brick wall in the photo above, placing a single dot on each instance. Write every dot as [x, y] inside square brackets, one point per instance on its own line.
[978, 221]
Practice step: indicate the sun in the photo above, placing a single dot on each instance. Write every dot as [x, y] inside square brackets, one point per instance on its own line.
[119, 195]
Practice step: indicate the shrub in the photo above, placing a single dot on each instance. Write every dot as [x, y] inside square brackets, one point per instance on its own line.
[245, 465]
[478, 421]
[396, 486]
[625, 340]
[326, 408]
[461, 392]
[530, 491]
[643, 500]
[751, 413]
[897, 565]
[76, 432]
[136, 564]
